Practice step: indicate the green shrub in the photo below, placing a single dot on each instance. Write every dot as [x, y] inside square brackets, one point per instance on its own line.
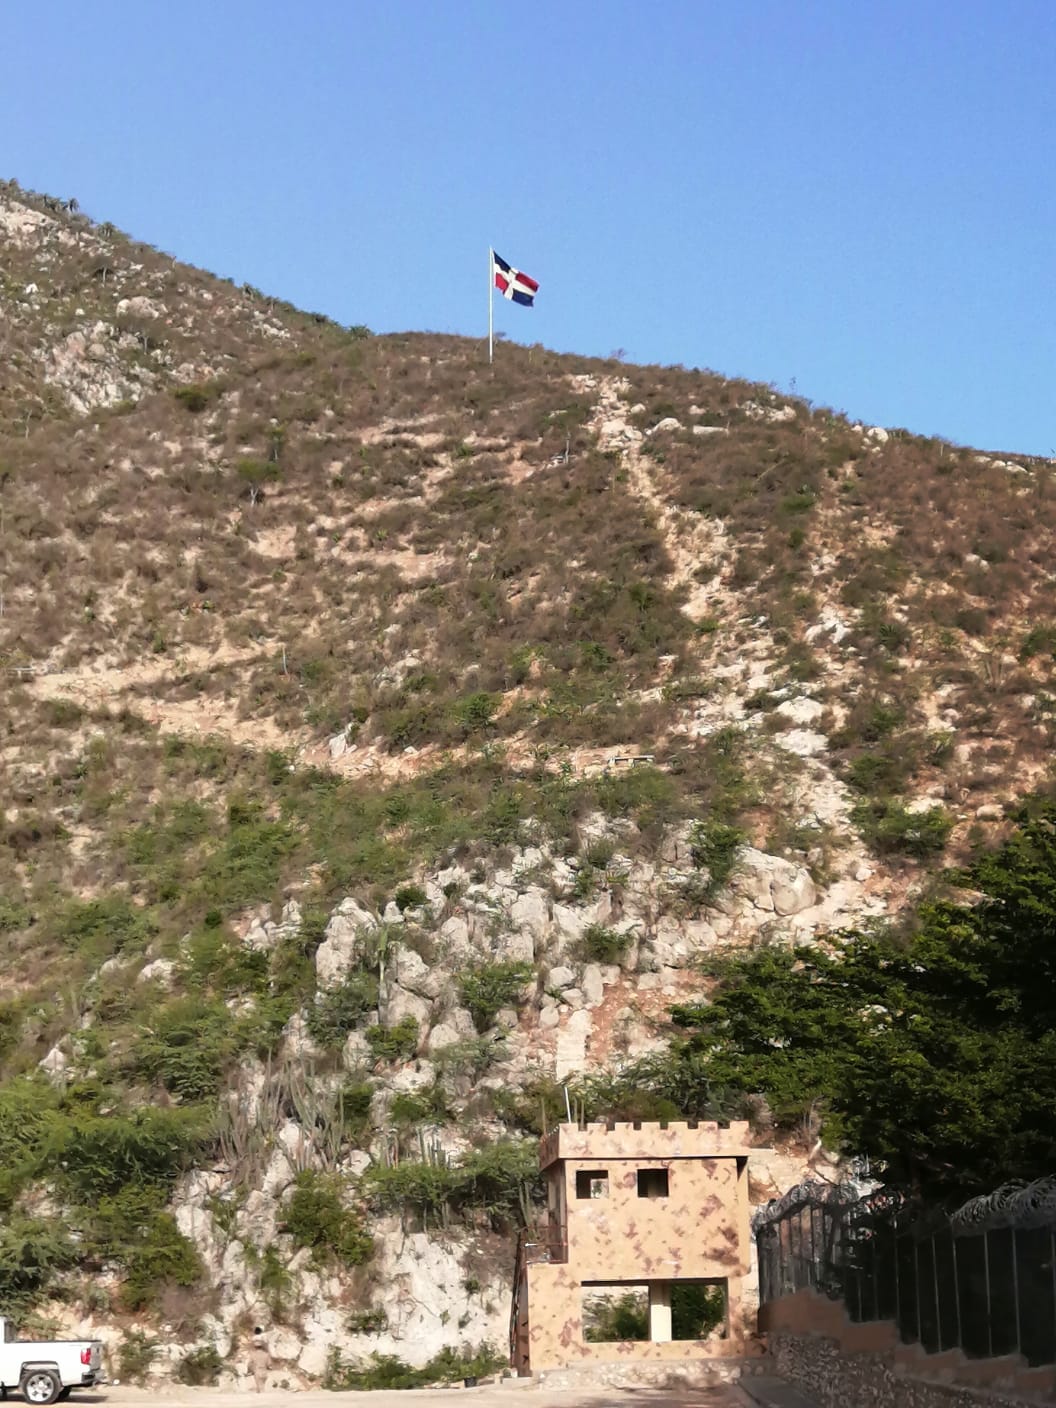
[425, 1189]
[691, 894]
[336, 1011]
[396, 1043]
[380, 1371]
[162, 1257]
[491, 987]
[61, 713]
[939, 747]
[890, 829]
[599, 852]
[387, 1371]
[694, 687]
[802, 501]
[893, 635]
[471, 1057]
[354, 1102]
[873, 773]
[199, 1367]
[450, 1366]
[171, 831]
[135, 1356]
[32, 1252]
[500, 1180]
[104, 927]
[599, 944]
[1039, 640]
[973, 620]
[275, 1282]
[246, 864]
[12, 1019]
[27, 1106]
[647, 795]
[255, 473]
[534, 1107]
[410, 897]
[367, 1322]
[473, 714]
[316, 1218]
[187, 1047]
[625, 1318]
[713, 846]
[801, 663]
[96, 1155]
[13, 915]
[426, 1106]
[629, 1095]
[696, 1309]
[197, 396]
[868, 722]
[215, 961]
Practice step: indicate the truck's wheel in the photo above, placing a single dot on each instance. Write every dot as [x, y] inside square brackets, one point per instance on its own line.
[41, 1386]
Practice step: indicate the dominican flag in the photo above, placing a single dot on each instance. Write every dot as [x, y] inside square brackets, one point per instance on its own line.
[511, 283]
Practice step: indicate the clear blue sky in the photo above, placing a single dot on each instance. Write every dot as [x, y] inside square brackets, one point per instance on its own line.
[857, 199]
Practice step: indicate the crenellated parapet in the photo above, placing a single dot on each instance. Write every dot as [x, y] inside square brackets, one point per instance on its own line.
[671, 1139]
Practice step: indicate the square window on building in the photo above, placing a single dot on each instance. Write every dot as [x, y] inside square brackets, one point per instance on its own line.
[652, 1183]
[592, 1183]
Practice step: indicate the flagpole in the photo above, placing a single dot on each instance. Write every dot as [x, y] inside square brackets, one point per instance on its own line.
[491, 305]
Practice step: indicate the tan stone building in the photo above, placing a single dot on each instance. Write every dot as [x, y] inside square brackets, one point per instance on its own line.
[632, 1207]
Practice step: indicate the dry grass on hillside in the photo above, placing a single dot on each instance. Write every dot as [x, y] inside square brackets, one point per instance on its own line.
[275, 529]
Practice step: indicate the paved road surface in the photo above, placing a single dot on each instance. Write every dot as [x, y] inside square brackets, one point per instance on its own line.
[510, 1395]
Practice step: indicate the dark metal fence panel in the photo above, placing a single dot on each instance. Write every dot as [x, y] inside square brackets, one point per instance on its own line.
[972, 1288]
[1004, 1326]
[928, 1301]
[1037, 1292]
[908, 1319]
[785, 1265]
[884, 1269]
[982, 1280]
[946, 1295]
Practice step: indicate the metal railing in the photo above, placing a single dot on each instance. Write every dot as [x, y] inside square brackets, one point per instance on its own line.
[542, 1244]
[982, 1279]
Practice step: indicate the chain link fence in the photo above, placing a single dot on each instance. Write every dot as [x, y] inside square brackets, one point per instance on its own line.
[982, 1279]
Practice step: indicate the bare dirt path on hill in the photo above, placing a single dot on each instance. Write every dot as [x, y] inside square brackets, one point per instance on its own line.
[694, 544]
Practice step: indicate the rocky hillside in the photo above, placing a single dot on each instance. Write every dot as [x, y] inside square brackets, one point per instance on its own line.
[389, 740]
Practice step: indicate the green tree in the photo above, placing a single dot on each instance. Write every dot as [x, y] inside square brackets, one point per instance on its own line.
[32, 1251]
[254, 474]
[934, 1054]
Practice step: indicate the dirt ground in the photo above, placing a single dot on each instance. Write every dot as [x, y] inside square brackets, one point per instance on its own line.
[503, 1395]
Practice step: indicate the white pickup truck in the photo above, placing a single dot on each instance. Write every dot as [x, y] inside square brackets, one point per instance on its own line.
[44, 1370]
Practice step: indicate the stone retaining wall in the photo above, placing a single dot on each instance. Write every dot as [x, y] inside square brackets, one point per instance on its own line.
[823, 1369]
[677, 1376]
